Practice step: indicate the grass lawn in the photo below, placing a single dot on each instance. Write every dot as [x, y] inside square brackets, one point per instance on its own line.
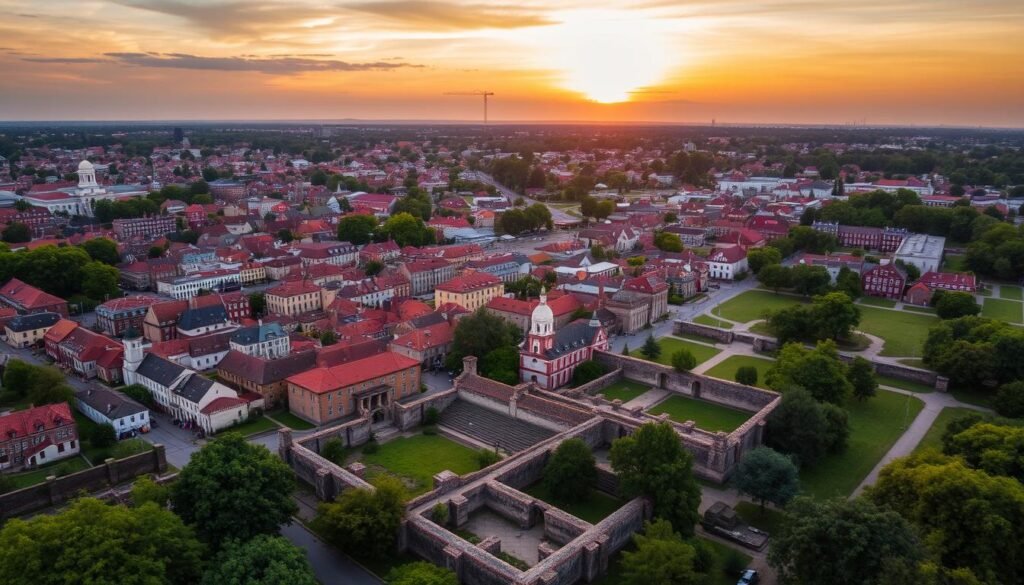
[905, 384]
[877, 302]
[1014, 293]
[753, 305]
[416, 459]
[933, 439]
[594, 509]
[712, 322]
[984, 292]
[708, 415]
[767, 520]
[670, 345]
[918, 309]
[955, 263]
[874, 427]
[1008, 311]
[625, 390]
[290, 420]
[39, 474]
[914, 363]
[726, 369]
[973, 396]
[253, 426]
[904, 333]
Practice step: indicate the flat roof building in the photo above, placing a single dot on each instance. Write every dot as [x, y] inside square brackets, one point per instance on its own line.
[923, 251]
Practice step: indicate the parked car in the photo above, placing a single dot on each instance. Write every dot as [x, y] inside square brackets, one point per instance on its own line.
[749, 577]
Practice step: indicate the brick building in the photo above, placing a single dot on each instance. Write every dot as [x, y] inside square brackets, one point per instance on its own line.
[117, 315]
[886, 281]
[35, 436]
[147, 227]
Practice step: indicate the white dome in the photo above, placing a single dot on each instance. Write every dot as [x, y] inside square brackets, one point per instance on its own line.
[542, 319]
[85, 166]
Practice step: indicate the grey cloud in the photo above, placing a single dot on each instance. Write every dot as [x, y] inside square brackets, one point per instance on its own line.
[66, 60]
[445, 15]
[273, 66]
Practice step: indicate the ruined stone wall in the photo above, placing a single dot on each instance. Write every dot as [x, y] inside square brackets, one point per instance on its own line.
[56, 490]
[351, 434]
[907, 373]
[595, 386]
[410, 414]
[510, 504]
[472, 565]
[691, 328]
[561, 527]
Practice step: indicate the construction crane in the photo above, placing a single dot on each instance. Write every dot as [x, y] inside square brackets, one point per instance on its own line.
[483, 93]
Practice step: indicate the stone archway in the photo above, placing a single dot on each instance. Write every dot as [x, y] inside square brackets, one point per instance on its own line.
[695, 389]
[663, 381]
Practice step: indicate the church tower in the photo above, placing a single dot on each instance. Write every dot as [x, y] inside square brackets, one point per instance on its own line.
[87, 177]
[133, 354]
[542, 328]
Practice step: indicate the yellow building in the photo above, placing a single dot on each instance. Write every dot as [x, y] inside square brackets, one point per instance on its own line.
[253, 272]
[294, 298]
[470, 291]
[27, 330]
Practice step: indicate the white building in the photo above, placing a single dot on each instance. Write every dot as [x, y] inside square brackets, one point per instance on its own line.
[726, 263]
[268, 341]
[80, 200]
[104, 406]
[186, 287]
[923, 251]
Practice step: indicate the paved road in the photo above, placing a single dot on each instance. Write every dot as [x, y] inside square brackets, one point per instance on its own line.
[556, 214]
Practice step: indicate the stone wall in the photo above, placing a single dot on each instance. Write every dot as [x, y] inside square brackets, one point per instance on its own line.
[907, 373]
[56, 490]
[595, 386]
[326, 478]
[410, 414]
[691, 328]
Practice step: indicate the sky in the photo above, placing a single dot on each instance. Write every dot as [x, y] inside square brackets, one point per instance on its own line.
[892, 62]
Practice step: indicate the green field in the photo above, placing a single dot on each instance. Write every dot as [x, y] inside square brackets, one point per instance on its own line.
[1003, 310]
[918, 309]
[708, 415]
[595, 508]
[874, 427]
[1014, 293]
[933, 438]
[904, 333]
[904, 384]
[753, 305]
[291, 421]
[954, 263]
[877, 302]
[39, 474]
[726, 369]
[253, 426]
[712, 322]
[625, 390]
[670, 345]
[416, 459]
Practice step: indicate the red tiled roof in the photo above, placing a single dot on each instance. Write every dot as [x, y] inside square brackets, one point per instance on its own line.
[469, 282]
[222, 403]
[28, 296]
[24, 422]
[320, 380]
[293, 288]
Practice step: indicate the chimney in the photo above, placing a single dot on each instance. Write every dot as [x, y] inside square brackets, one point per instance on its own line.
[469, 365]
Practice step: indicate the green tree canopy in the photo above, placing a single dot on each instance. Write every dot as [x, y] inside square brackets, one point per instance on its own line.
[758, 258]
[775, 276]
[841, 542]
[683, 360]
[652, 462]
[406, 230]
[798, 427]
[862, 377]
[651, 348]
[93, 542]
[660, 557]
[571, 472]
[362, 522]
[955, 304]
[818, 370]
[421, 573]
[357, 228]
[16, 233]
[102, 250]
[99, 281]
[767, 476]
[263, 560]
[232, 489]
[588, 371]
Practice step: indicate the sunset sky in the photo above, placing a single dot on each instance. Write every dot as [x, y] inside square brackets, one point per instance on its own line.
[923, 62]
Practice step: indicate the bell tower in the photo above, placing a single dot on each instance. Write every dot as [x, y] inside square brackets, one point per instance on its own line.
[133, 354]
[542, 328]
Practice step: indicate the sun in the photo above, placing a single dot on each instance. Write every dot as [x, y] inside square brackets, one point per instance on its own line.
[608, 54]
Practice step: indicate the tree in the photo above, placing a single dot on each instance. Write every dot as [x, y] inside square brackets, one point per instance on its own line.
[683, 360]
[625, 349]
[810, 280]
[571, 472]
[501, 364]
[481, 333]
[956, 304]
[264, 560]
[747, 375]
[421, 573]
[328, 338]
[819, 371]
[661, 557]
[364, 523]
[257, 304]
[17, 232]
[356, 229]
[99, 281]
[102, 250]
[775, 277]
[93, 542]
[155, 252]
[798, 427]
[992, 448]
[651, 349]
[968, 518]
[406, 230]
[234, 489]
[837, 427]
[18, 376]
[841, 542]
[145, 490]
[587, 371]
[861, 375]
[652, 462]
[848, 282]
[834, 316]
[285, 235]
[102, 436]
[668, 242]
[373, 268]
[758, 258]
[1009, 399]
[767, 476]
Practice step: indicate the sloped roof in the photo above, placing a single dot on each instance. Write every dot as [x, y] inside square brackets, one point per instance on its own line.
[160, 370]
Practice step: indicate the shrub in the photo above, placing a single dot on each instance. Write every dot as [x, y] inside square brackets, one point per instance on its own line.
[1009, 399]
[430, 416]
[747, 375]
[487, 457]
[439, 514]
[333, 450]
[571, 471]
[683, 360]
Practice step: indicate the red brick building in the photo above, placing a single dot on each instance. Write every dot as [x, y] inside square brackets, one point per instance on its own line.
[117, 315]
[36, 436]
[886, 281]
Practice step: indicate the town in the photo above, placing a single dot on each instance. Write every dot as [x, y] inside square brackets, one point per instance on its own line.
[513, 354]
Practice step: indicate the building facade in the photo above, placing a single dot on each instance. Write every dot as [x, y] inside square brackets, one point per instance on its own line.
[550, 355]
[36, 436]
[470, 291]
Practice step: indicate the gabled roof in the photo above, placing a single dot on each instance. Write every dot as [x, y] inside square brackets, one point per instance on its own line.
[195, 387]
[113, 405]
[27, 296]
[262, 371]
[320, 380]
[160, 370]
[202, 317]
[33, 321]
[26, 422]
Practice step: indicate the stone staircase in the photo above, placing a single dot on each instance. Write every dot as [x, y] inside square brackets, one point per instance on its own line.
[492, 428]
